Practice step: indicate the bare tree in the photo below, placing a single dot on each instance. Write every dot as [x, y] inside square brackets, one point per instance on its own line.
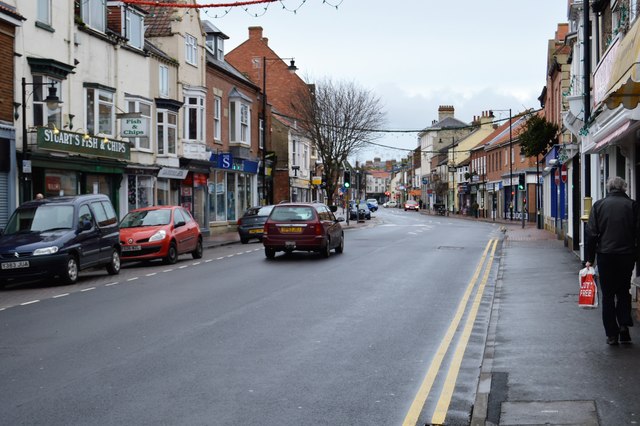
[340, 119]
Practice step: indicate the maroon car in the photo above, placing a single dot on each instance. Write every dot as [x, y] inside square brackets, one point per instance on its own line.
[304, 227]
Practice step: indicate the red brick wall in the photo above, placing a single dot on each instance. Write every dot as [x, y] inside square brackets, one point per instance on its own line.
[7, 93]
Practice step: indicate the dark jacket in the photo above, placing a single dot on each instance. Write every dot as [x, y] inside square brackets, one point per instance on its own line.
[613, 227]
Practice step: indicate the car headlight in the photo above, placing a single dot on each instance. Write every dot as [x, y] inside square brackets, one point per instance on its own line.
[45, 250]
[158, 236]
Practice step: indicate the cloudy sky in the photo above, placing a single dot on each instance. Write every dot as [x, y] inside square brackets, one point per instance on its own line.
[413, 54]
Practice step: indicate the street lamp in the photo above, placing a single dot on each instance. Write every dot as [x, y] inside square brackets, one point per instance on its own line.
[292, 69]
[53, 102]
[510, 159]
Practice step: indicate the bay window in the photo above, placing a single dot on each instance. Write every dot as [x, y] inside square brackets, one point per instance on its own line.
[100, 111]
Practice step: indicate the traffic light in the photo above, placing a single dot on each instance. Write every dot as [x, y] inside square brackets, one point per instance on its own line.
[521, 182]
[347, 179]
[524, 201]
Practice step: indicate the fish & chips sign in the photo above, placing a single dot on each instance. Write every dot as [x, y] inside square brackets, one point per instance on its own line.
[78, 143]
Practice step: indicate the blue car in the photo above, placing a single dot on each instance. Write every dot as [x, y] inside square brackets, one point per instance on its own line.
[57, 237]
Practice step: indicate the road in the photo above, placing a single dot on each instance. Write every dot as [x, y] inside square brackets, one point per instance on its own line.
[390, 332]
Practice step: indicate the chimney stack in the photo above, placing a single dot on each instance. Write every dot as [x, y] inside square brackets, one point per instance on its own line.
[445, 111]
[255, 33]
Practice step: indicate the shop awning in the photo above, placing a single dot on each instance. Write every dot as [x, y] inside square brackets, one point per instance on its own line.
[604, 142]
[625, 73]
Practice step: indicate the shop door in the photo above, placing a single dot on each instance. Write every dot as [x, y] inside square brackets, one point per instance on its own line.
[98, 184]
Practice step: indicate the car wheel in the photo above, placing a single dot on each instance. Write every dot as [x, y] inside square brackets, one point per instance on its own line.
[70, 275]
[244, 240]
[172, 254]
[340, 247]
[197, 253]
[113, 268]
[326, 250]
[269, 253]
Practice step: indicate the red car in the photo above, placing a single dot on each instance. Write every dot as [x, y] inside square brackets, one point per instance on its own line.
[302, 226]
[159, 232]
[411, 205]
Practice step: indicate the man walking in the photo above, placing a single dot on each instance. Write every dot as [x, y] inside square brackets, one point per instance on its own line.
[612, 236]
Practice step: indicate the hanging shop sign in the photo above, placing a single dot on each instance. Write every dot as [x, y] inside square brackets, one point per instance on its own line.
[59, 140]
[169, 173]
[134, 127]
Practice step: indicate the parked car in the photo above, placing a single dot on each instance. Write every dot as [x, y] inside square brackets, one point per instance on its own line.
[159, 232]
[302, 226]
[58, 237]
[359, 211]
[411, 205]
[372, 203]
[251, 224]
[390, 203]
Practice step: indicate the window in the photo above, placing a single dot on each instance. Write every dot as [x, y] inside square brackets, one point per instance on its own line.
[239, 122]
[217, 116]
[44, 12]
[167, 132]
[294, 152]
[193, 118]
[140, 191]
[191, 49]
[94, 13]
[144, 108]
[163, 79]
[134, 28]
[42, 115]
[105, 215]
[220, 48]
[100, 112]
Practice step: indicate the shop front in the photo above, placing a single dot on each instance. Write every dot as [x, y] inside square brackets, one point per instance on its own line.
[8, 173]
[232, 188]
[193, 191]
[68, 163]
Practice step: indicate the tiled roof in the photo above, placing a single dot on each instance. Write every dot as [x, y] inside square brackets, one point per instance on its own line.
[158, 20]
[155, 50]
[11, 11]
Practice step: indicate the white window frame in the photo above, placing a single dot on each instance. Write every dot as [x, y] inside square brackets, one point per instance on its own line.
[163, 81]
[94, 14]
[217, 119]
[163, 135]
[44, 12]
[41, 86]
[220, 48]
[135, 36]
[239, 122]
[138, 105]
[190, 49]
[102, 100]
[193, 104]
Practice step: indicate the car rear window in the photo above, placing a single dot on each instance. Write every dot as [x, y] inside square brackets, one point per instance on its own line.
[292, 214]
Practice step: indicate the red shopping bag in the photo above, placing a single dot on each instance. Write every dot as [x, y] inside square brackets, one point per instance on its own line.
[588, 297]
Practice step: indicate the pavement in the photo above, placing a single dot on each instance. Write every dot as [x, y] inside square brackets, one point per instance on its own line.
[545, 360]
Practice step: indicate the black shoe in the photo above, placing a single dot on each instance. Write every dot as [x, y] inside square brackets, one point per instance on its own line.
[612, 340]
[625, 337]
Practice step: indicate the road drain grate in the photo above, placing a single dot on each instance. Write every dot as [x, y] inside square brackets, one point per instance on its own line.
[450, 248]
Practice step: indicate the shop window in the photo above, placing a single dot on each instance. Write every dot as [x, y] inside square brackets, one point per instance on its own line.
[100, 111]
[231, 197]
[42, 115]
[140, 191]
[142, 107]
[94, 13]
[167, 132]
[60, 182]
[167, 192]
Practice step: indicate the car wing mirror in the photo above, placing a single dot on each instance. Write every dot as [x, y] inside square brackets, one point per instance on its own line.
[84, 225]
[340, 219]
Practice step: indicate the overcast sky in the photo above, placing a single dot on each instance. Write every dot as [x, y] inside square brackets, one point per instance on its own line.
[413, 54]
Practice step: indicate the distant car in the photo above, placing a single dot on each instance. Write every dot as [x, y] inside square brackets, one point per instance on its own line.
[411, 205]
[372, 203]
[360, 210]
[58, 237]
[251, 224]
[159, 232]
[302, 226]
[391, 203]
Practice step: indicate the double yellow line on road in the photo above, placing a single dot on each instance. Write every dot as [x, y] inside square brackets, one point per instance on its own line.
[442, 406]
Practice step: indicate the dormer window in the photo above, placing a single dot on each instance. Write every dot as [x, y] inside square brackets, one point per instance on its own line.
[133, 30]
[94, 14]
[219, 48]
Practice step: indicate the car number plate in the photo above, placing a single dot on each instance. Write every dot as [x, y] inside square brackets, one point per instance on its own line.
[131, 248]
[15, 265]
[291, 230]
[290, 244]
[256, 231]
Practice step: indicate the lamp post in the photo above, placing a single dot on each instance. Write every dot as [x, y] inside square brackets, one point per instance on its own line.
[53, 102]
[291, 68]
[510, 160]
